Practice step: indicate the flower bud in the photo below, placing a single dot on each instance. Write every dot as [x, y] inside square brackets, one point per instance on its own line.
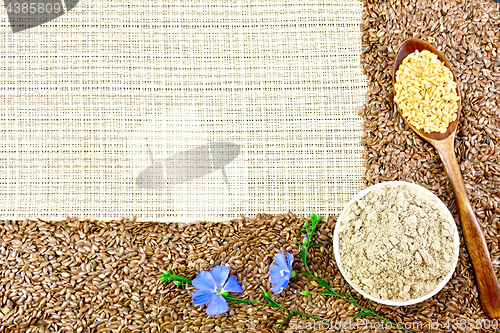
[178, 283]
[305, 293]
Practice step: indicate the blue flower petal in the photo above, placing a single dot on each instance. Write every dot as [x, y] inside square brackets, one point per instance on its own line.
[277, 289]
[279, 272]
[204, 281]
[281, 260]
[220, 274]
[276, 277]
[282, 272]
[232, 285]
[275, 272]
[202, 297]
[289, 260]
[217, 306]
[282, 281]
[280, 286]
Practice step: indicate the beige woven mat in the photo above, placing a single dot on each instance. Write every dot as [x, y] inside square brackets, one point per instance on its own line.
[182, 110]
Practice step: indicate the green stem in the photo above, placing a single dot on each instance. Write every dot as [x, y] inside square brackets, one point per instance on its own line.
[373, 313]
[356, 304]
[306, 315]
[331, 292]
[241, 300]
[182, 279]
[167, 276]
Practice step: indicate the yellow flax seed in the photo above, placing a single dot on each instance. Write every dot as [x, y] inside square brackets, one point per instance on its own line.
[426, 92]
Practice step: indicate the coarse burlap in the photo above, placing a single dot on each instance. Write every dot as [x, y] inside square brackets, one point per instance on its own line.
[180, 111]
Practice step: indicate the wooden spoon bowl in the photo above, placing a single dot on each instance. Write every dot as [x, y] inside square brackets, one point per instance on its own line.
[409, 46]
[488, 286]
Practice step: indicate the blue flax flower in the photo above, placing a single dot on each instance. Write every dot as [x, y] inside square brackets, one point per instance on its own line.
[282, 272]
[211, 286]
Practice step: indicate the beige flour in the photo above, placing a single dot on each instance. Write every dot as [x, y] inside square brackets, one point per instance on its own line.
[396, 243]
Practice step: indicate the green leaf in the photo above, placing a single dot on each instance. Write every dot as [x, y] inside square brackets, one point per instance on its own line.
[268, 298]
[323, 283]
[164, 275]
[351, 297]
[331, 293]
[303, 230]
[239, 301]
[315, 219]
[183, 279]
[303, 254]
[167, 276]
[317, 244]
[285, 320]
[362, 314]
[229, 297]
[370, 305]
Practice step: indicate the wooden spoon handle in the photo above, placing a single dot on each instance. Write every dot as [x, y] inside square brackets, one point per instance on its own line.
[487, 282]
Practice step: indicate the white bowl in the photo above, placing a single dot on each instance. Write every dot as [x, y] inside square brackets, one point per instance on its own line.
[456, 242]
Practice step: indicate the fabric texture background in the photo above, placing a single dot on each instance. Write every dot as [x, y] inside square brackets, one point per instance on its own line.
[111, 88]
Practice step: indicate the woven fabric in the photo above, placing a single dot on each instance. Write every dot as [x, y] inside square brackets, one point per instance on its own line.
[180, 111]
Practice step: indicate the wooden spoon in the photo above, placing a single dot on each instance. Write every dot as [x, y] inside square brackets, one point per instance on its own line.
[488, 286]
